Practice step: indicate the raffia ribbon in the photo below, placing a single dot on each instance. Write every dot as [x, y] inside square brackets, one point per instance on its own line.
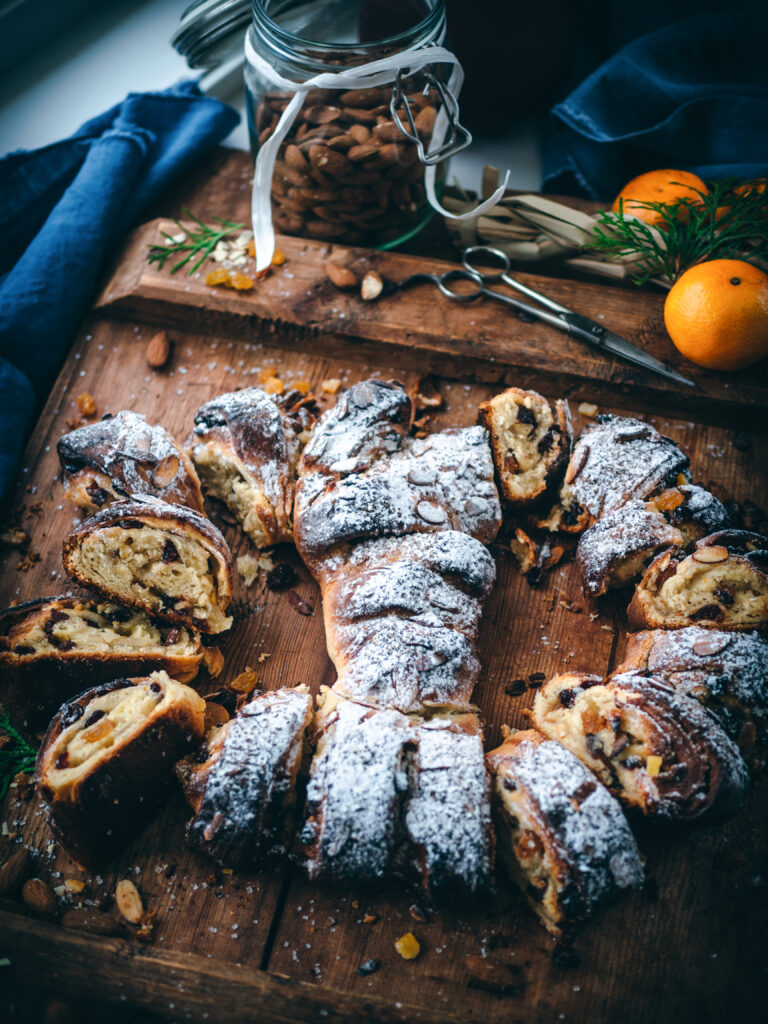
[530, 229]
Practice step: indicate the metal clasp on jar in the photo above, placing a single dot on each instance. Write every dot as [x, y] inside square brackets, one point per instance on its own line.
[459, 137]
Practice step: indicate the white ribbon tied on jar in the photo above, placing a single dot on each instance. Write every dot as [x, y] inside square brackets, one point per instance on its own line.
[375, 73]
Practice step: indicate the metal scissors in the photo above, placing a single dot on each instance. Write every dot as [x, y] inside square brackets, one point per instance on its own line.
[554, 313]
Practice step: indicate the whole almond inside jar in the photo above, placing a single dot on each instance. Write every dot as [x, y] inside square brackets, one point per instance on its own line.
[344, 170]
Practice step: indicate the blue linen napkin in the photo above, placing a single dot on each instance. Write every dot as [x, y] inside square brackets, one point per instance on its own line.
[60, 208]
[692, 95]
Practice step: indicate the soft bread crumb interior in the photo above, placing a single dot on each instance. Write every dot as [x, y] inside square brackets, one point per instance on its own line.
[94, 631]
[222, 477]
[525, 855]
[622, 729]
[522, 439]
[130, 563]
[695, 585]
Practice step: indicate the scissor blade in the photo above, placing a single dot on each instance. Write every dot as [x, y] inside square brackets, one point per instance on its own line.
[619, 346]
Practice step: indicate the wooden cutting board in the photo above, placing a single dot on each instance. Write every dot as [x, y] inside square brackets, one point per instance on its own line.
[271, 946]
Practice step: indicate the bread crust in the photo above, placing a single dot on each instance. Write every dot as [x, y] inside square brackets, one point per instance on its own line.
[144, 511]
[106, 803]
[562, 837]
[615, 459]
[123, 455]
[251, 441]
[241, 783]
[727, 672]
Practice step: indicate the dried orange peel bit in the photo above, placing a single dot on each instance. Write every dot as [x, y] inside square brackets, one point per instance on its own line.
[408, 946]
[278, 258]
[669, 499]
[273, 386]
[220, 276]
[241, 282]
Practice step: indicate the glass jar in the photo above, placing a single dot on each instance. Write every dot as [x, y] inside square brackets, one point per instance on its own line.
[345, 171]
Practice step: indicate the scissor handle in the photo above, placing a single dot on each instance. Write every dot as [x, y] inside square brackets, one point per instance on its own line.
[443, 281]
[489, 252]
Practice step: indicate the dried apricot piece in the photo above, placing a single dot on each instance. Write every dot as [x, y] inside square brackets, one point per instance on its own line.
[273, 386]
[278, 258]
[669, 499]
[302, 386]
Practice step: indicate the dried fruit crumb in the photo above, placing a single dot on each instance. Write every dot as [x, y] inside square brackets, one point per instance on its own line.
[408, 946]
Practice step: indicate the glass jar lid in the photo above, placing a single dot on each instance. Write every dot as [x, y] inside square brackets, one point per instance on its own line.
[211, 31]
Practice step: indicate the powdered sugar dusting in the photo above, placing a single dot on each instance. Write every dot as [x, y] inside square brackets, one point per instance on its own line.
[249, 784]
[585, 822]
[357, 783]
[138, 458]
[448, 811]
[727, 671]
[618, 458]
[628, 531]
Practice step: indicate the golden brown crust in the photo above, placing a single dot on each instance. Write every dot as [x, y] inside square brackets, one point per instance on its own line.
[176, 521]
[123, 455]
[98, 797]
[531, 442]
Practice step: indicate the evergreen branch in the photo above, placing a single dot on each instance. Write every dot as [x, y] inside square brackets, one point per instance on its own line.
[16, 755]
[729, 221]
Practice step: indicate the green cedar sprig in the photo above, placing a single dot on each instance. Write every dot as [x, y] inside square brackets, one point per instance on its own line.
[729, 221]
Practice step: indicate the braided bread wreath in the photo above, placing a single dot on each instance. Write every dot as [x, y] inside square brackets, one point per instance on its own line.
[395, 530]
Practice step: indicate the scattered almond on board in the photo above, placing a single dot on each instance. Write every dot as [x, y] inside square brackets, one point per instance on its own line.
[158, 350]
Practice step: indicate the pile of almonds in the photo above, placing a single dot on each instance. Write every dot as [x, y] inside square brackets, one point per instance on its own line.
[346, 172]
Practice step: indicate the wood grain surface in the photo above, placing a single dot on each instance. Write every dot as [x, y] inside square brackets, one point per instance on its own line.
[272, 947]
[420, 328]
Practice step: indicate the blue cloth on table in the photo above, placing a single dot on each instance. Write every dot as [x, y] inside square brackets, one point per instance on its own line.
[60, 209]
[691, 96]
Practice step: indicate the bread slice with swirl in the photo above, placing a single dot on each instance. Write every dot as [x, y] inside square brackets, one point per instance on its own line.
[165, 560]
[122, 455]
[657, 750]
[246, 446]
[727, 672]
[722, 584]
[615, 459]
[106, 762]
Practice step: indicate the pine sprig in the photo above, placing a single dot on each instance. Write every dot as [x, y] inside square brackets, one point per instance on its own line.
[198, 242]
[16, 755]
[730, 221]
